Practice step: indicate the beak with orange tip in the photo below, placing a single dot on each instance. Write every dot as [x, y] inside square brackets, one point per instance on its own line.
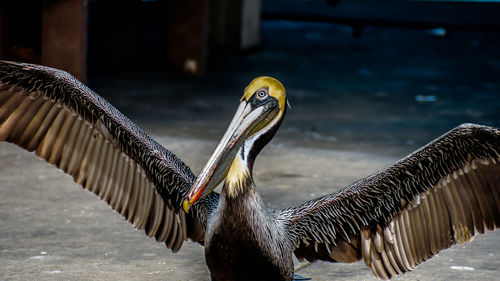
[256, 110]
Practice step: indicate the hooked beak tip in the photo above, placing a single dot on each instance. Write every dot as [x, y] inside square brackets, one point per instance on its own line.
[186, 205]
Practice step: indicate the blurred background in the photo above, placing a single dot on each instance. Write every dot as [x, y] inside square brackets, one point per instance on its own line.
[360, 74]
[367, 81]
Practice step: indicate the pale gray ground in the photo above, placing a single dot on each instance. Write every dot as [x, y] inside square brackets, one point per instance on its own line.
[51, 229]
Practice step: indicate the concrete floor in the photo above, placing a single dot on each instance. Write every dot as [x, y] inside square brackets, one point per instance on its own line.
[51, 229]
[358, 105]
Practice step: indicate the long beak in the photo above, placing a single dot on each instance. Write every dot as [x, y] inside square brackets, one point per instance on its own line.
[218, 165]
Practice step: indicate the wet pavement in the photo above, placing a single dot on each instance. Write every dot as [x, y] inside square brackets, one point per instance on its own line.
[357, 105]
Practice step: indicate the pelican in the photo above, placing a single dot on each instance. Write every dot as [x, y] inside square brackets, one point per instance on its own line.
[444, 193]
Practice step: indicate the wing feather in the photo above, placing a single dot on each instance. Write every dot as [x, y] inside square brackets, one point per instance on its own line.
[48, 111]
[443, 194]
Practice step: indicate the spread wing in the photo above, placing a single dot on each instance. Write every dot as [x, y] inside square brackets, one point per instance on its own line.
[443, 194]
[48, 111]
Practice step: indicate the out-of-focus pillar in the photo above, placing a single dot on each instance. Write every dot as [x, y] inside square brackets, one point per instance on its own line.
[3, 30]
[198, 29]
[250, 24]
[64, 36]
[187, 35]
[234, 26]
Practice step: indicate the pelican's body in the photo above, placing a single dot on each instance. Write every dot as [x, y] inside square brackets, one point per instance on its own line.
[395, 219]
[233, 239]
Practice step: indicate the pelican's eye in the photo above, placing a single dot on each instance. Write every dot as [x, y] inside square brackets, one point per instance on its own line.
[261, 94]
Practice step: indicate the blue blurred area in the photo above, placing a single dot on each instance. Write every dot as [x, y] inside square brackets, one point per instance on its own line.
[456, 14]
[391, 89]
[479, 1]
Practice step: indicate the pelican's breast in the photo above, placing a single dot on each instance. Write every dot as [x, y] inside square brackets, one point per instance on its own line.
[245, 238]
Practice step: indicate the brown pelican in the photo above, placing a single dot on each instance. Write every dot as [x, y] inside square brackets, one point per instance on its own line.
[444, 193]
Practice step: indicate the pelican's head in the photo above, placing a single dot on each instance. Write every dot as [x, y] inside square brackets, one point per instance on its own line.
[257, 119]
